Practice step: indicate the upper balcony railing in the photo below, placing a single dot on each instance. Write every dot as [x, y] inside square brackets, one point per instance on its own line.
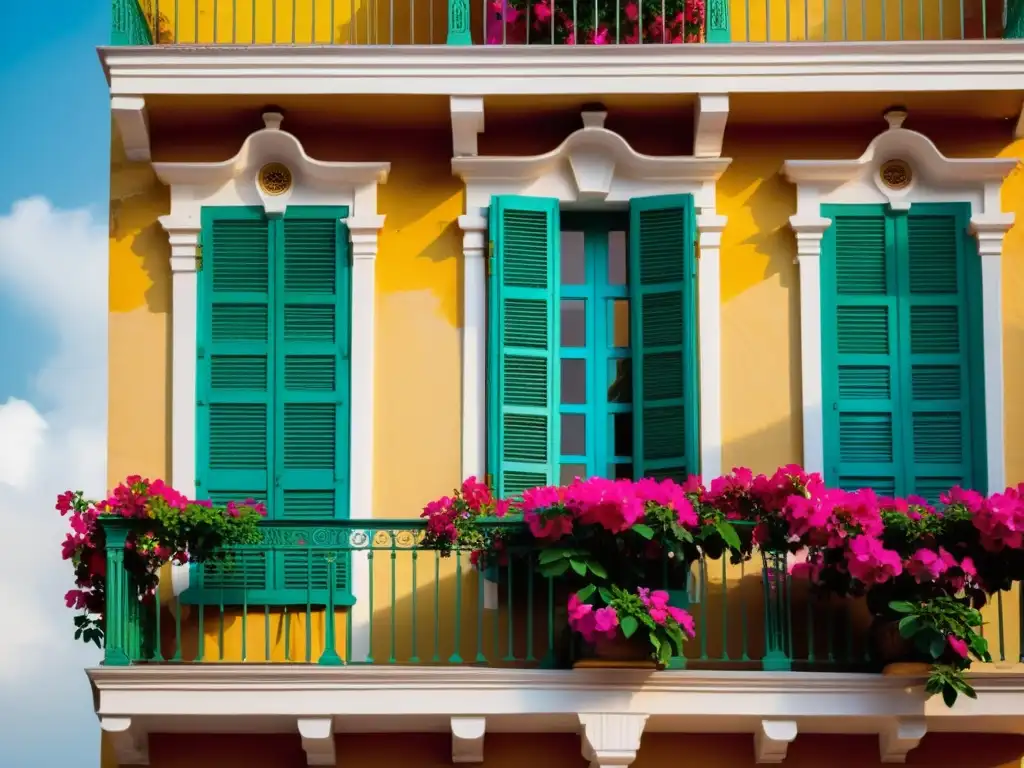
[558, 22]
[365, 592]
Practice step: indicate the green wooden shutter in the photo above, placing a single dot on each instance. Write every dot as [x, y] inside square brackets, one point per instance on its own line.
[664, 330]
[859, 340]
[523, 383]
[935, 345]
[234, 427]
[311, 402]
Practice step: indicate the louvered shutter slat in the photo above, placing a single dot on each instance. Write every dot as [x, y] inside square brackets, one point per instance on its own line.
[662, 298]
[935, 351]
[523, 295]
[860, 356]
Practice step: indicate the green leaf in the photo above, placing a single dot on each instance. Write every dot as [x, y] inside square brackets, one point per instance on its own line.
[937, 647]
[579, 566]
[728, 534]
[644, 530]
[949, 695]
[629, 625]
[550, 555]
[665, 654]
[605, 594]
[902, 606]
[554, 569]
[655, 641]
[586, 593]
[597, 569]
[910, 626]
[681, 533]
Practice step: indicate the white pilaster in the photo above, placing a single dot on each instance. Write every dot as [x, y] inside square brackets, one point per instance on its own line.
[363, 232]
[709, 285]
[809, 230]
[990, 229]
[183, 233]
[611, 739]
[474, 344]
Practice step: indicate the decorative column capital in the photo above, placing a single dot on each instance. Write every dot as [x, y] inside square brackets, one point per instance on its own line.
[990, 229]
[474, 234]
[363, 232]
[611, 739]
[183, 234]
[709, 229]
[808, 230]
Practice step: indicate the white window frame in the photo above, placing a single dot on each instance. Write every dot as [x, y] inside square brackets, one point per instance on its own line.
[934, 178]
[233, 182]
[593, 169]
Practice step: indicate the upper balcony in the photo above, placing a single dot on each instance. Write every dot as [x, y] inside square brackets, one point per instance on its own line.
[558, 22]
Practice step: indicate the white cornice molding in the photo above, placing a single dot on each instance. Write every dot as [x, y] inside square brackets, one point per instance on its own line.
[132, 120]
[596, 156]
[930, 168]
[879, 67]
[271, 144]
[709, 119]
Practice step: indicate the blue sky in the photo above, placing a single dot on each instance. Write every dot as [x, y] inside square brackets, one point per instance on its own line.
[57, 130]
[53, 285]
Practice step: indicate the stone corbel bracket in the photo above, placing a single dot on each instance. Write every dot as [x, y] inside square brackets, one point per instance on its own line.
[468, 739]
[132, 121]
[899, 737]
[130, 744]
[772, 740]
[317, 735]
[709, 119]
[467, 124]
[611, 739]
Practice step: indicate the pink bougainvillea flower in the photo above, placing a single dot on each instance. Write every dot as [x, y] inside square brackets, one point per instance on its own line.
[870, 562]
[683, 619]
[958, 646]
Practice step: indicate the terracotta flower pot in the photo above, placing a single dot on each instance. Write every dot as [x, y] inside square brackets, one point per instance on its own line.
[618, 652]
[897, 654]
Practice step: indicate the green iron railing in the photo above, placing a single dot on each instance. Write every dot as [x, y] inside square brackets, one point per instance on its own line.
[514, 22]
[364, 592]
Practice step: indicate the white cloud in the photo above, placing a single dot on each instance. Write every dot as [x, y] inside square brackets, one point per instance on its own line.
[53, 264]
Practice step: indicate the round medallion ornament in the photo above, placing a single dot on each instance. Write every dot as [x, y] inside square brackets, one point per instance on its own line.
[275, 178]
[896, 174]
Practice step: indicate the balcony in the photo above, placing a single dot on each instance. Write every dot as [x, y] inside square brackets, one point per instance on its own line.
[520, 22]
[292, 600]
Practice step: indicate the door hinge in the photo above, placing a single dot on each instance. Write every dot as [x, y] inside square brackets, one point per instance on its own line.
[199, 257]
[490, 257]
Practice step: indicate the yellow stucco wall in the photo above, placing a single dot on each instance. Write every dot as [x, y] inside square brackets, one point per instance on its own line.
[418, 384]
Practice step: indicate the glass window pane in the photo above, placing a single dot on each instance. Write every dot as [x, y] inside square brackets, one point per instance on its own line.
[619, 323]
[574, 323]
[623, 471]
[574, 434]
[620, 381]
[574, 267]
[622, 426]
[569, 472]
[574, 381]
[617, 258]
